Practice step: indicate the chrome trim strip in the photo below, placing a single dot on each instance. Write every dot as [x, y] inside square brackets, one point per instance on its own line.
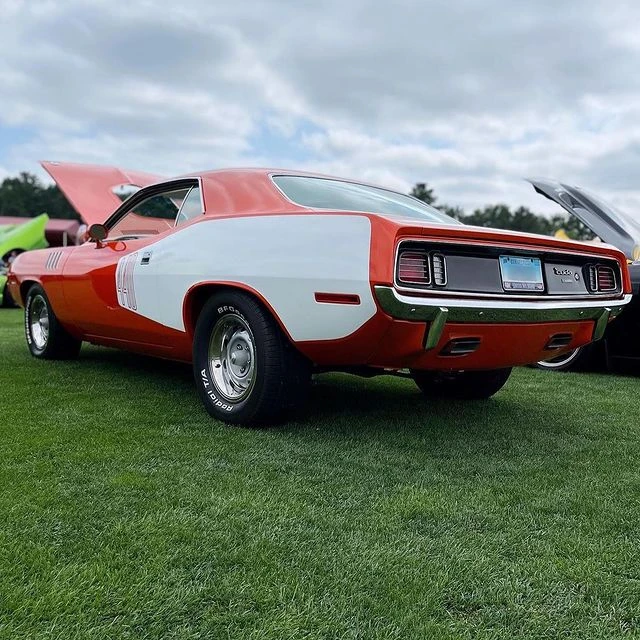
[405, 307]
[445, 295]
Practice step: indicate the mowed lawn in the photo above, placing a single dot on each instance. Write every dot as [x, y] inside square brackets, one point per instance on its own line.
[126, 512]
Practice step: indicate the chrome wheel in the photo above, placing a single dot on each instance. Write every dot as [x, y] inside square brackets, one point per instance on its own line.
[231, 358]
[39, 321]
[560, 362]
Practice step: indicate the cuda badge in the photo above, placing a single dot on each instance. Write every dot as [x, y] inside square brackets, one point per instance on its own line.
[125, 281]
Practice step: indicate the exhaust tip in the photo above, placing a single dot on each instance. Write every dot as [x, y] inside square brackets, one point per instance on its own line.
[460, 347]
[559, 341]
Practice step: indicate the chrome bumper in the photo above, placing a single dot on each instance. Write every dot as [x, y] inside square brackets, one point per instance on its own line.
[440, 311]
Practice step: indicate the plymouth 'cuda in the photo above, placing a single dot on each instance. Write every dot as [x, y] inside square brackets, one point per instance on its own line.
[262, 277]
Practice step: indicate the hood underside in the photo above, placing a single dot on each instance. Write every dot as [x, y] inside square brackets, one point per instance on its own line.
[611, 225]
[90, 188]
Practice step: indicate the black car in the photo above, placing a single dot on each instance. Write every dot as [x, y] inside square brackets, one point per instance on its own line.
[621, 342]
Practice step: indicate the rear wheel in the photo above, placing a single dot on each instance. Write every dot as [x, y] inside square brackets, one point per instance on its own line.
[461, 385]
[46, 337]
[246, 370]
[572, 360]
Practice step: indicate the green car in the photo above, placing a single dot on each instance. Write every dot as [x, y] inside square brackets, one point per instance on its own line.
[14, 239]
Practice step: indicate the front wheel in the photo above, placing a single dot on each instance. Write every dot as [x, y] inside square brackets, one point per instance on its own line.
[461, 385]
[246, 370]
[46, 337]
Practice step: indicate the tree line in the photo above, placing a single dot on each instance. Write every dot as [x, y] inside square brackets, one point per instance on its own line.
[500, 216]
[26, 196]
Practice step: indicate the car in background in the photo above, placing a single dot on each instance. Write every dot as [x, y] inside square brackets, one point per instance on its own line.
[16, 238]
[620, 344]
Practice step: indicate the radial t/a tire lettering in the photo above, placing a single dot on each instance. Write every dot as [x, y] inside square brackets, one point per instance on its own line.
[246, 370]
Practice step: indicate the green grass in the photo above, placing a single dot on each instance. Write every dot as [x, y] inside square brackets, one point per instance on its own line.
[126, 512]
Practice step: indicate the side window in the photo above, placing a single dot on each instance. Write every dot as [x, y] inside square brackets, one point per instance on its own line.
[151, 216]
[191, 206]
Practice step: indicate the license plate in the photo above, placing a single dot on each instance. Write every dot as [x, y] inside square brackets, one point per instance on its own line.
[521, 274]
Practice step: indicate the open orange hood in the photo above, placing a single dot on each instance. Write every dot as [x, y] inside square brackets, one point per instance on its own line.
[89, 187]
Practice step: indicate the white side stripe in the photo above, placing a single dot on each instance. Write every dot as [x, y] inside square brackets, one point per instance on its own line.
[286, 259]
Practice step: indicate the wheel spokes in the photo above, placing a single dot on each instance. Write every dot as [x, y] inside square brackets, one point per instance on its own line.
[232, 358]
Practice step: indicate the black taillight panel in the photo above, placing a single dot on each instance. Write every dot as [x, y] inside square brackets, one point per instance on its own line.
[475, 269]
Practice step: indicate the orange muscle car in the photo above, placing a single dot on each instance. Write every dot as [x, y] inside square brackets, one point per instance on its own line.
[261, 277]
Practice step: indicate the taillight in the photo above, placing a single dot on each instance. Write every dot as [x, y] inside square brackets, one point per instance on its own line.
[592, 275]
[606, 278]
[601, 278]
[413, 267]
[439, 269]
[422, 268]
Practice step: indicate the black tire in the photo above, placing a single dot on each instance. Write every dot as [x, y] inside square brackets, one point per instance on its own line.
[276, 378]
[575, 360]
[461, 385]
[7, 300]
[54, 342]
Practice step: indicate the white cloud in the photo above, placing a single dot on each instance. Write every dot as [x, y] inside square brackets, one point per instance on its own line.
[469, 96]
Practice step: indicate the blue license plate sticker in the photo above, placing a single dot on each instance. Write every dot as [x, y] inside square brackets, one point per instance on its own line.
[521, 274]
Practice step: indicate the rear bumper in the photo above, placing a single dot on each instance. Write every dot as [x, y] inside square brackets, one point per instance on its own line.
[439, 312]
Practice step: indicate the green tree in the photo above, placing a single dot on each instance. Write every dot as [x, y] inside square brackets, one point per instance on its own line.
[575, 229]
[500, 216]
[25, 196]
[423, 192]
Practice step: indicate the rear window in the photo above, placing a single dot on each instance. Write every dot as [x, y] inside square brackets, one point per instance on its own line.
[323, 193]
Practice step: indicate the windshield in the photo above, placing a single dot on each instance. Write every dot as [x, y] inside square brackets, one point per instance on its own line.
[324, 193]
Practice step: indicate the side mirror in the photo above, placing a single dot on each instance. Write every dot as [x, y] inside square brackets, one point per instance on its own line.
[97, 233]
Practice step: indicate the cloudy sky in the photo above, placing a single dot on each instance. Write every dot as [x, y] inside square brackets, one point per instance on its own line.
[470, 96]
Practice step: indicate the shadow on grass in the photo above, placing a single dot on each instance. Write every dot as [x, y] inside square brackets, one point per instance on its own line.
[342, 405]
[160, 371]
[394, 404]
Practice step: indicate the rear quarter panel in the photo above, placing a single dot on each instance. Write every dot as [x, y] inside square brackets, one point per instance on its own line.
[284, 259]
